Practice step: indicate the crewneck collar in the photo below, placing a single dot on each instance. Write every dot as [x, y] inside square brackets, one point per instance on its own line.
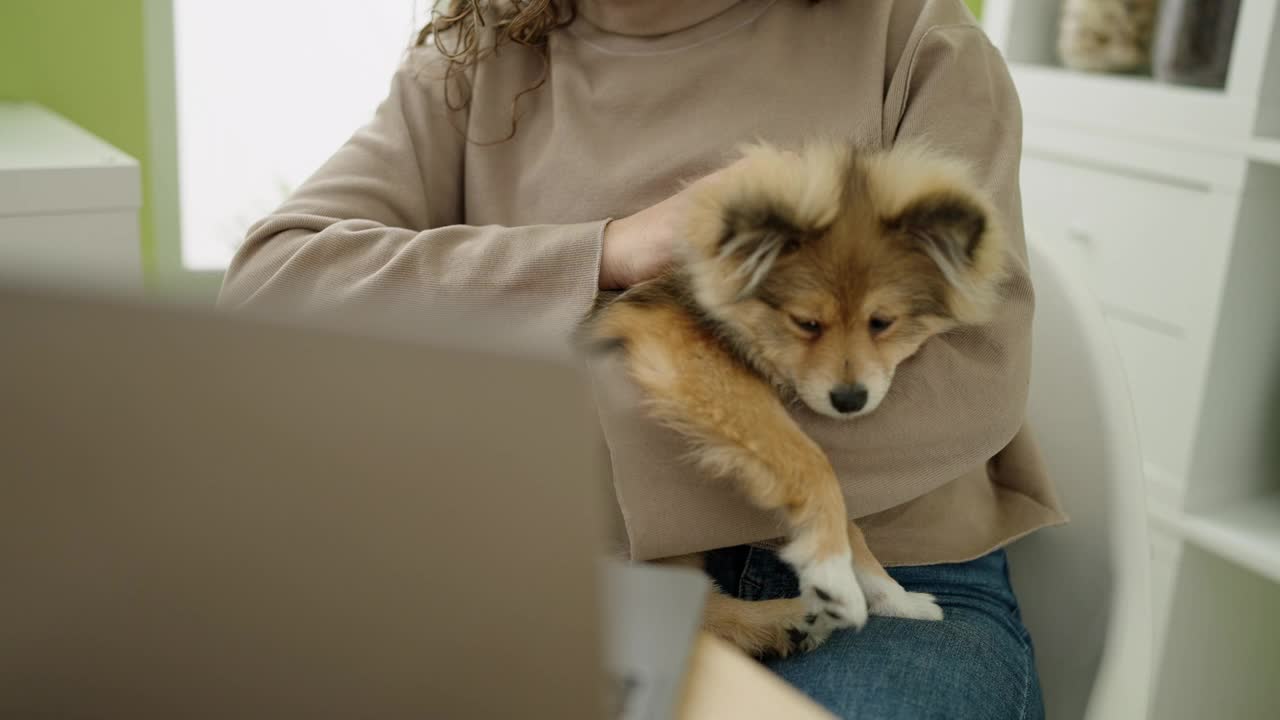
[724, 23]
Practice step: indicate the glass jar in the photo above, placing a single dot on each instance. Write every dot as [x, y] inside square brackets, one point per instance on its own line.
[1107, 35]
[1194, 40]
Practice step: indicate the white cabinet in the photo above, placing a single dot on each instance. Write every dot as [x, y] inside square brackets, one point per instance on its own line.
[1153, 250]
[69, 204]
[1168, 199]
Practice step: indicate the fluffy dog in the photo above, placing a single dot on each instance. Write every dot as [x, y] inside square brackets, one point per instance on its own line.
[804, 276]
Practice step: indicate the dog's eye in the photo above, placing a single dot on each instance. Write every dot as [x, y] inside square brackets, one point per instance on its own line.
[813, 327]
[879, 324]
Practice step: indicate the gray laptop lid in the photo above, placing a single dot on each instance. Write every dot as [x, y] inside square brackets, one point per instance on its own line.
[209, 517]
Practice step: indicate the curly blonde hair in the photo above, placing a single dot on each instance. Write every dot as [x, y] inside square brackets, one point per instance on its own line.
[457, 34]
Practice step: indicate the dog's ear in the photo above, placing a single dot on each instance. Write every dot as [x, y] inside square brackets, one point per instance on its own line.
[954, 230]
[757, 211]
[752, 241]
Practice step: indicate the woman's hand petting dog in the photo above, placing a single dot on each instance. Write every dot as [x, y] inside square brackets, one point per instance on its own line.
[640, 246]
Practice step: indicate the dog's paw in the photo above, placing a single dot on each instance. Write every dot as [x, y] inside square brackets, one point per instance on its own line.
[909, 605]
[831, 592]
[775, 628]
[886, 598]
[807, 633]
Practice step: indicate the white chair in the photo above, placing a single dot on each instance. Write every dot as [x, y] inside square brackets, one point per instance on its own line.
[1084, 588]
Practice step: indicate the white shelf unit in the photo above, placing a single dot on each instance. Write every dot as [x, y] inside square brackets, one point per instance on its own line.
[1168, 198]
[1247, 533]
[1026, 31]
[68, 204]
[1265, 150]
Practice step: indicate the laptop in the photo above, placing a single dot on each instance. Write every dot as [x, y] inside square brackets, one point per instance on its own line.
[213, 516]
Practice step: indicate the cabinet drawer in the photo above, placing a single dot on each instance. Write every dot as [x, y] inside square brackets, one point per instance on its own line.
[1166, 390]
[1153, 249]
[87, 250]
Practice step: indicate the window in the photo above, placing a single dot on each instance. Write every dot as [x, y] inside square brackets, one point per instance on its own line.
[266, 92]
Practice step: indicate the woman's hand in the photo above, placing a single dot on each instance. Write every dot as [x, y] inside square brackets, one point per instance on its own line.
[639, 247]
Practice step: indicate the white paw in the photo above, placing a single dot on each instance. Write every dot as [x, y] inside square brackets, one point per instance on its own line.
[909, 605]
[887, 598]
[808, 635]
[832, 595]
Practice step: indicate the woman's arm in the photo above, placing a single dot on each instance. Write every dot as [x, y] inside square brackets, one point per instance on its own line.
[380, 224]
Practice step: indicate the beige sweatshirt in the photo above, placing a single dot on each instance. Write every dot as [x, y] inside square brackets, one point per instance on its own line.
[410, 213]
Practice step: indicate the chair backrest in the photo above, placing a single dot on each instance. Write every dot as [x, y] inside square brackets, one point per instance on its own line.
[1084, 588]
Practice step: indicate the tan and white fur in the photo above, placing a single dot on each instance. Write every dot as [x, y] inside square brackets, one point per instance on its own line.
[804, 276]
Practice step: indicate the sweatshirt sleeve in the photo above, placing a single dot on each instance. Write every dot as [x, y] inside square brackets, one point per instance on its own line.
[382, 224]
[962, 398]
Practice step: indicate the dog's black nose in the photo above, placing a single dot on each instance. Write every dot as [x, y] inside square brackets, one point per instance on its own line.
[849, 398]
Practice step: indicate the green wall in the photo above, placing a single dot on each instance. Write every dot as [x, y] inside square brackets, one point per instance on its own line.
[83, 59]
[975, 6]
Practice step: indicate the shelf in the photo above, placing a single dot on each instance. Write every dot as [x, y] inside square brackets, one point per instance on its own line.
[1265, 150]
[1247, 533]
[1131, 105]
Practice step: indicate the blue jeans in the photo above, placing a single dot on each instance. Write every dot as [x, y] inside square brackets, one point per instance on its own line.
[977, 663]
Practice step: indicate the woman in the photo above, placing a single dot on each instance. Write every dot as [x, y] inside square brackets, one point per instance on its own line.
[487, 182]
